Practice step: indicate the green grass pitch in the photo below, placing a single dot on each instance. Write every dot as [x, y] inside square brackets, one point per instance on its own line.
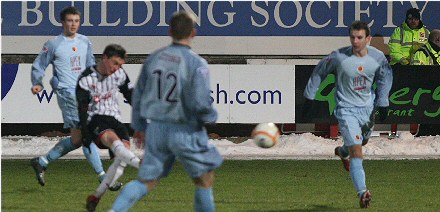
[255, 185]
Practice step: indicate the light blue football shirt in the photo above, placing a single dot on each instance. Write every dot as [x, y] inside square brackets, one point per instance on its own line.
[354, 77]
[69, 58]
[173, 87]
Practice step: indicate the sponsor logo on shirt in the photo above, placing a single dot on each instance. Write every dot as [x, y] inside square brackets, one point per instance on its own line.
[359, 82]
[98, 98]
[75, 63]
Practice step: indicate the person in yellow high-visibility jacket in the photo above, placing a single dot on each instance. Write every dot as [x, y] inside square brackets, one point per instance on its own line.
[429, 54]
[407, 38]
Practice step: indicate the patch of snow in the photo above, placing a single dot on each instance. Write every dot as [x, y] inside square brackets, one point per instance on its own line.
[293, 146]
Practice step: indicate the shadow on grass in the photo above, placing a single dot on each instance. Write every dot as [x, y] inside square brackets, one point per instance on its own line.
[24, 190]
[314, 208]
[318, 208]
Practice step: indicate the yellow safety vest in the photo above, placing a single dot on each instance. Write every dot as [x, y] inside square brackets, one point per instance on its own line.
[404, 42]
[426, 55]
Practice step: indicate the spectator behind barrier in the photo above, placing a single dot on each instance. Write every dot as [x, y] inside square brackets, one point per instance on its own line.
[408, 38]
[405, 40]
[429, 53]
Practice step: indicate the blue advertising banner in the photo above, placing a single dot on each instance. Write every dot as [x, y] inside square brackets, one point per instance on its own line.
[214, 18]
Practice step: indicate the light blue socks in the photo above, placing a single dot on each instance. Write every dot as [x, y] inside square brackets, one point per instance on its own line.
[92, 155]
[135, 190]
[130, 194]
[358, 175]
[204, 200]
[64, 146]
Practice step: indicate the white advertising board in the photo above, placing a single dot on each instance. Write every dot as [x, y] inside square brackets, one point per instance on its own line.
[240, 93]
[262, 94]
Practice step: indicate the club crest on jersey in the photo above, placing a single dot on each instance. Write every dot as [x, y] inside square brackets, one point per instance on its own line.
[74, 49]
[358, 137]
[360, 68]
[422, 37]
[45, 49]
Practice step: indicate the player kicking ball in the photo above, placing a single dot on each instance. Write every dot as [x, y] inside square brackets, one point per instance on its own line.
[100, 117]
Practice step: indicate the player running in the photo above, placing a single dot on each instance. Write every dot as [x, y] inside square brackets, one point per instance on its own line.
[173, 92]
[356, 68]
[69, 53]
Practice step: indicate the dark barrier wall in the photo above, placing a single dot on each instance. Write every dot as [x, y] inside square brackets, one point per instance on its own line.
[414, 96]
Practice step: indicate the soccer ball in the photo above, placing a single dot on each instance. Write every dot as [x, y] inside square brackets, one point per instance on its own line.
[266, 135]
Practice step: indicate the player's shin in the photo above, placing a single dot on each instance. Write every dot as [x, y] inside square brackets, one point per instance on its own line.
[119, 172]
[63, 147]
[125, 154]
[130, 194]
[204, 200]
[92, 155]
[358, 175]
[113, 173]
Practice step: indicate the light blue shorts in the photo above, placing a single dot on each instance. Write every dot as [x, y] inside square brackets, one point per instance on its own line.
[351, 121]
[166, 142]
[68, 105]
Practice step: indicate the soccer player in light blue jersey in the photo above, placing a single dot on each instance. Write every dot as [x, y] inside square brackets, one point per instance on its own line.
[69, 53]
[173, 93]
[356, 68]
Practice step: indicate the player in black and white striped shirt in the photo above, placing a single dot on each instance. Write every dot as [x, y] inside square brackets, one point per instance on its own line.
[102, 91]
[97, 94]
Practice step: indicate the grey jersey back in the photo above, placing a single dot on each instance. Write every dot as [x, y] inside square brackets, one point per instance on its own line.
[173, 87]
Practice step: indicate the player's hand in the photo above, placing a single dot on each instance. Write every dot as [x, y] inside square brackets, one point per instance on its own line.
[86, 142]
[85, 139]
[416, 47]
[404, 61]
[36, 89]
[307, 110]
[383, 113]
[138, 139]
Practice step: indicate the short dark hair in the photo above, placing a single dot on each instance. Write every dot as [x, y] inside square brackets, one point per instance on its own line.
[115, 50]
[69, 11]
[359, 25]
[181, 25]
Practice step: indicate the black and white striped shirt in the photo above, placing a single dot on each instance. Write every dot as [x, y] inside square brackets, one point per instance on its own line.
[98, 94]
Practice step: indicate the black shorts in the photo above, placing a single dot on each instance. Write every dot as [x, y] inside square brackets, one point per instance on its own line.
[100, 123]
